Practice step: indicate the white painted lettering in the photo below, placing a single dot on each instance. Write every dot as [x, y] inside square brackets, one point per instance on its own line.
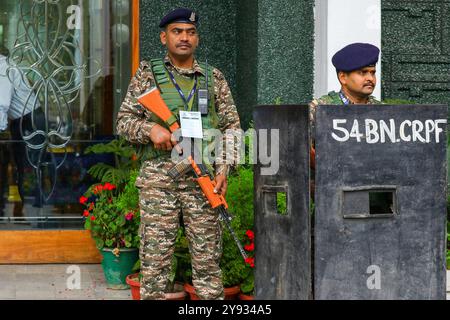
[372, 135]
[336, 123]
[417, 128]
[354, 133]
[439, 130]
[389, 131]
[429, 128]
[384, 131]
[402, 131]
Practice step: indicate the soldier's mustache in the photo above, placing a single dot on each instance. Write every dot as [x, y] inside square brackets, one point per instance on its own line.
[184, 44]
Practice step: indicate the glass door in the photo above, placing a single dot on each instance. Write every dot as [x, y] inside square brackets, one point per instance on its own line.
[68, 64]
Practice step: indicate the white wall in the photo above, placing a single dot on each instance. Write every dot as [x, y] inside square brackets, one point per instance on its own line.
[339, 23]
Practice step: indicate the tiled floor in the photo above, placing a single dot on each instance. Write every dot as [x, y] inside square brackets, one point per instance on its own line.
[60, 282]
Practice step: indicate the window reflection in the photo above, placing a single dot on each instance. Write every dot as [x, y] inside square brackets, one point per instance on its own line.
[99, 35]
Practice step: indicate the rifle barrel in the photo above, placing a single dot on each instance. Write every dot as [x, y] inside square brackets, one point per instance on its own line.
[223, 212]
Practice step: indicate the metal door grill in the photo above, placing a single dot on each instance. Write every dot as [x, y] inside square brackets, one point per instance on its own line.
[63, 55]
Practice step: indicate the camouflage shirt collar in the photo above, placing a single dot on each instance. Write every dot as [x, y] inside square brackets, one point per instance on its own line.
[195, 68]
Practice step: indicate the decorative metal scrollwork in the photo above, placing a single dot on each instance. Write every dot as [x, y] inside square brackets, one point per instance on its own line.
[47, 60]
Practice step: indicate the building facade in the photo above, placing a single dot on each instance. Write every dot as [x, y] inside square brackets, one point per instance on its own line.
[79, 56]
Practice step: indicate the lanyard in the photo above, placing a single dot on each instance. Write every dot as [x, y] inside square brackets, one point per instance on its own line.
[181, 93]
[344, 98]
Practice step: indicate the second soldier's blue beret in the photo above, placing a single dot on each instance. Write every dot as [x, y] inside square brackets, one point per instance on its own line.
[355, 56]
[179, 15]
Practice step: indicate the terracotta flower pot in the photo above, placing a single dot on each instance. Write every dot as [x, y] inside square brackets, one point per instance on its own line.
[133, 281]
[243, 296]
[231, 293]
[179, 293]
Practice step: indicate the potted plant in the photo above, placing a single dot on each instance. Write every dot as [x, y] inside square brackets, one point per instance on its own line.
[112, 211]
[114, 227]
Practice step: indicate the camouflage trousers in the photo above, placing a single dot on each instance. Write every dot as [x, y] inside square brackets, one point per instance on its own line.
[160, 210]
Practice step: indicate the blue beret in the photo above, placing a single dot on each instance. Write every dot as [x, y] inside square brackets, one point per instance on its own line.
[179, 15]
[355, 56]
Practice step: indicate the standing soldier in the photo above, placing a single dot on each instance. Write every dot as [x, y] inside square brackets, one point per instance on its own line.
[355, 68]
[179, 76]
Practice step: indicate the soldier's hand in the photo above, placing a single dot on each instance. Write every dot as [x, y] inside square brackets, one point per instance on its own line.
[162, 138]
[221, 184]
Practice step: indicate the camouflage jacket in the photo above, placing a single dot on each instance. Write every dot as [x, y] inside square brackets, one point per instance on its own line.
[331, 98]
[133, 120]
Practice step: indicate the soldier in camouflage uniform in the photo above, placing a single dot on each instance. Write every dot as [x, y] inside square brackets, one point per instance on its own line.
[162, 200]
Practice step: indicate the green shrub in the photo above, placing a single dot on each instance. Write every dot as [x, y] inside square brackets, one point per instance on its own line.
[240, 201]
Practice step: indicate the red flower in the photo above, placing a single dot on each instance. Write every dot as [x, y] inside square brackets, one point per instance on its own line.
[98, 189]
[250, 261]
[129, 216]
[92, 218]
[134, 157]
[85, 213]
[250, 247]
[110, 200]
[250, 234]
[108, 186]
[83, 200]
[91, 206]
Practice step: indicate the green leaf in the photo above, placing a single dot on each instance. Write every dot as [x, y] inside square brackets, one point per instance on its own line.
[173, 269]
[99, 170]
[119, 147]
[247, 286]
[112, 226]
[99, 243]
[137, 266]
[121, 220]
